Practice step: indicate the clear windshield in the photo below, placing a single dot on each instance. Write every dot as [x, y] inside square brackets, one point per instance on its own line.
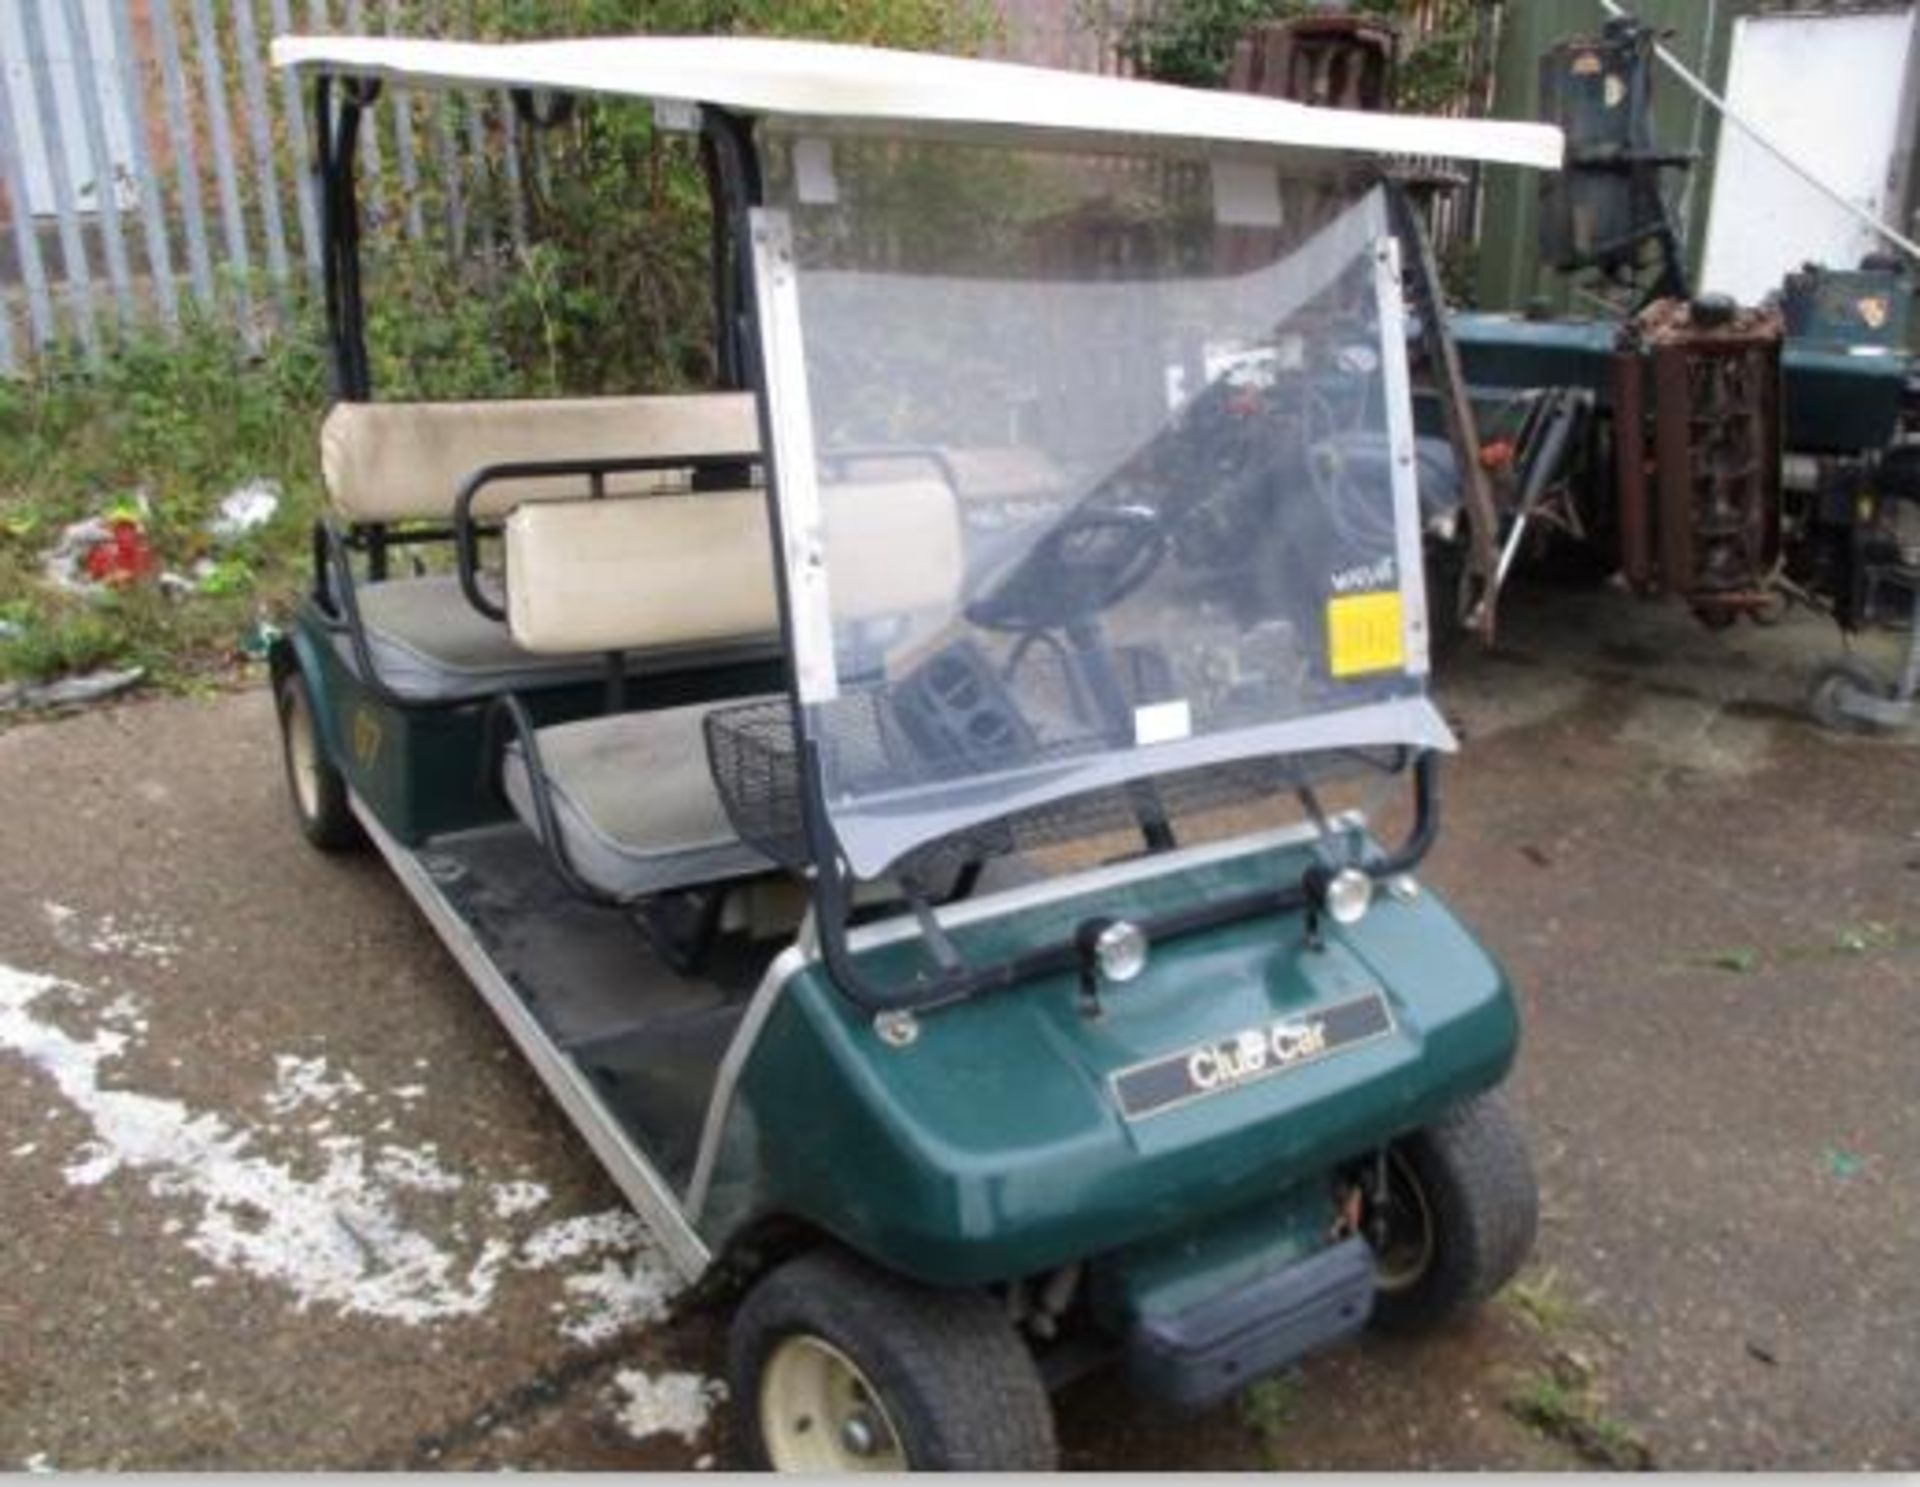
[1110, 469]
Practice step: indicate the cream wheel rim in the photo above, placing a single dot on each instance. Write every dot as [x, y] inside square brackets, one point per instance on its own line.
[1407, 1251]
[303, 755]
[818, 1413]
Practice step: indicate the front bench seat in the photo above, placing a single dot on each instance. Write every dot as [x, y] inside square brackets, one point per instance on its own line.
[635, 811]
[400, 462]
[633, 803]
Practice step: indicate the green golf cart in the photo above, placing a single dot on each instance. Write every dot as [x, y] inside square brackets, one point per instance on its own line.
[903, 801]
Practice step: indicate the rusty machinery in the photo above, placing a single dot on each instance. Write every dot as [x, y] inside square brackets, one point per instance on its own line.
[1332, 61]
[1697, 455]
[1731, 456]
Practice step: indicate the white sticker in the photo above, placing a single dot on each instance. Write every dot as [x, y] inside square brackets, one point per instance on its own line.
[813, 176]
[1246, 194]
[675, 116]
[1162, 722]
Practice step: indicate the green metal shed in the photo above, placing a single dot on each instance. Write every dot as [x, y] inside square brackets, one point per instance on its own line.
[1509, 272]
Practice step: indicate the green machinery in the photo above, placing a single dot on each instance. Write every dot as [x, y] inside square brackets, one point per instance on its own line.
[1730, 455]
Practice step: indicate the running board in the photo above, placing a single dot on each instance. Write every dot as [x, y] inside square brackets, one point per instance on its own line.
[635, 1176]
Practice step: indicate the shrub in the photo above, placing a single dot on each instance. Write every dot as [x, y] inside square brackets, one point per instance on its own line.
[610, 292]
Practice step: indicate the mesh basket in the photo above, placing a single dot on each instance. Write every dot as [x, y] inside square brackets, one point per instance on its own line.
[755, 762]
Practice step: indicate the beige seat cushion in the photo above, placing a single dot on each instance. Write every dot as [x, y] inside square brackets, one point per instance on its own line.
[655, 571]
[385, 462]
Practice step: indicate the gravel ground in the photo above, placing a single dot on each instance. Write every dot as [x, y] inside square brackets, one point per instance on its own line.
[277, 1193]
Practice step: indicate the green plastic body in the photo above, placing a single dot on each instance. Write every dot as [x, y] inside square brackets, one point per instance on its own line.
[991, 1147]
[424, 771]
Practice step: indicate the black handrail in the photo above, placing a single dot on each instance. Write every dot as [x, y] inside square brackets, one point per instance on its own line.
[539, 789]
[938, 990]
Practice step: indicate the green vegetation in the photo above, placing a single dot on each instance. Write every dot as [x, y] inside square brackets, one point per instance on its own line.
[1564, 1406]
[1268, 1409]
[610, 293]
[1192, 42]
[178, 425]
[1538, 1295]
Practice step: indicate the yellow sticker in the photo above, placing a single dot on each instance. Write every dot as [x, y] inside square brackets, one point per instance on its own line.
[1366, 633]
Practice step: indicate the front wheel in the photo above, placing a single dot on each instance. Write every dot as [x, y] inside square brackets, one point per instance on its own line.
[1457, 1218]
[836, 1366]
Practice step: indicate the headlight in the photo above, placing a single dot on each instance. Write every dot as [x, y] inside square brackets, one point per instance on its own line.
[1120, 950]
[1349, 896]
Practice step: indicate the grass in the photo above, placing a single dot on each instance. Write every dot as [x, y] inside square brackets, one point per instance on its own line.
[1268, 1409]
[174, 425]
[178, 424]
[1846, 941]
[1538, 1297]
[1564, 1407]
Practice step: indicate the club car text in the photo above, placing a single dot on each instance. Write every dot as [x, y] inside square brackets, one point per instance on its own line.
[1247, 1057]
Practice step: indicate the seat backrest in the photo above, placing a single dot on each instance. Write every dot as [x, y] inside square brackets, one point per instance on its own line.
[386, 462]
[656, 572]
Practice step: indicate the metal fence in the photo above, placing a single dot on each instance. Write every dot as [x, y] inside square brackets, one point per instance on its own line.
[153, 166]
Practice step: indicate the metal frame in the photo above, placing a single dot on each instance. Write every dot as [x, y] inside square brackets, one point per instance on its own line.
[746, 1037]
[1478, 602]
[1409, 530]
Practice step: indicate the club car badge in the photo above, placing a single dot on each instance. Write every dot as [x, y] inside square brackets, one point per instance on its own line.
[1247, 1057]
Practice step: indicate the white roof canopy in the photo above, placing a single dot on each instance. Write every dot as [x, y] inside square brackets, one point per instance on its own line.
[871, 88]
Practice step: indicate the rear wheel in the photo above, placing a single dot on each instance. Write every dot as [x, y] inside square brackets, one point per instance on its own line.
[1457, 1218]
[838, 1367]
[318, 792]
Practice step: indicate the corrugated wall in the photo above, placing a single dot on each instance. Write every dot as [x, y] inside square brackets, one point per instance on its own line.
[1509, 272]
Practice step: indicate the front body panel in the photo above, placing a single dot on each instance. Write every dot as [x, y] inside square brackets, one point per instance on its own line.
[994, 1144]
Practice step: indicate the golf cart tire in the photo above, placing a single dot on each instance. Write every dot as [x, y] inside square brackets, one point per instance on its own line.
[952, 1375]
[1837, 681]
[326, 819]
[1476, 1177]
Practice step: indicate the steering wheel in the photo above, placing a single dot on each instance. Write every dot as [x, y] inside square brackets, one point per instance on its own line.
[1087, 564]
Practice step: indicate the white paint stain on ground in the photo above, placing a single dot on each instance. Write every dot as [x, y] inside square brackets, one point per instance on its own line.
[302, 1082]
[136, 937]
[511, 1199]
[355, 1237]
[627, 1284]
[664, 1404]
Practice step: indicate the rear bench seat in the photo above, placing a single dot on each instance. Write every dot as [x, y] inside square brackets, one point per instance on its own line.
[401, 462]
[634, 803]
